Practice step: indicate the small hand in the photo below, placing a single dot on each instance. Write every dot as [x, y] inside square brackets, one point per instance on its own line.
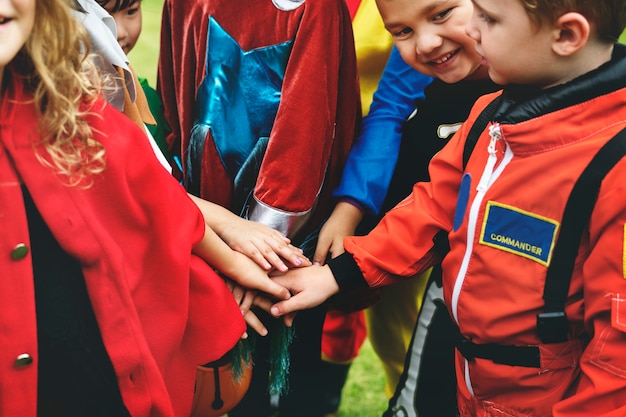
[246, 299]
[266, 246]
[310, 287]
[342, 222]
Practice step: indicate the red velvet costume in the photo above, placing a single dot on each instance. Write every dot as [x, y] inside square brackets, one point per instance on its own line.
[315, 120]
[254, 84]
[160, 310]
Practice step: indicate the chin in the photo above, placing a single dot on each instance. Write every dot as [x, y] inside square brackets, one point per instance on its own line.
[453, 77]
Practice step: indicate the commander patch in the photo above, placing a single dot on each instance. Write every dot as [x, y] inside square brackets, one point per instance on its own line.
[520, 232]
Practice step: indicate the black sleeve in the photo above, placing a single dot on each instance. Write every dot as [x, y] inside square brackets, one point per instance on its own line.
[347, 272]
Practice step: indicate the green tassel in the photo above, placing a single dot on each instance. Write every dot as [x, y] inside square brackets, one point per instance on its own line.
[241, 356]
[279, 361]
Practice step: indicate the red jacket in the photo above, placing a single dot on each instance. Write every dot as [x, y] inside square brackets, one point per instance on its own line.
[161, 310]
[501, 242]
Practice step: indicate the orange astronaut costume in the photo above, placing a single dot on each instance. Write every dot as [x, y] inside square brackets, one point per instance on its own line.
[503, 217]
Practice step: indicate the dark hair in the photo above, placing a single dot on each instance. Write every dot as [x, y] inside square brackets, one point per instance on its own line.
[118, 4]
[608, 16]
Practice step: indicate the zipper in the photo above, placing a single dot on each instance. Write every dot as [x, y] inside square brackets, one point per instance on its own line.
[489, 176]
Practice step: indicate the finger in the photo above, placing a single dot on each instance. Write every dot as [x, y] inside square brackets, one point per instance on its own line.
[288, 319]
[255, 323]
[263, 303]
[270, 256]
[257, 256]
[270, 287]
[321, 251]
[294, 255]
[336, 249]
[292, 305]
[247, 301]
[239, 293]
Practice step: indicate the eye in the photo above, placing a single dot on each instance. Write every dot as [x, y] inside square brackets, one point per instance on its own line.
[133, 10]
[485, 17]
[401, 33]
[442, 15]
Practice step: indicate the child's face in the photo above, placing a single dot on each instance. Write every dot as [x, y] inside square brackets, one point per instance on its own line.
[430, 36]
[17, 18]
[127, 22]
[517, 50]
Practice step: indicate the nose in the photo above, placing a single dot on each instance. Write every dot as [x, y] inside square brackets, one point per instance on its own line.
[427, 41]
[121, 30]
[472, 29]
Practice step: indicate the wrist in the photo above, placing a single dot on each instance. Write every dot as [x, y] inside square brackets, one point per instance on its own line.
[350, 213]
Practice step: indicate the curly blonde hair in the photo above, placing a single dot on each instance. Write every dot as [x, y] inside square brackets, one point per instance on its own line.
[65, 85]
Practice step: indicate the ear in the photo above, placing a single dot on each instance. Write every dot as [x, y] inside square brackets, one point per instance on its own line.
[572, 34]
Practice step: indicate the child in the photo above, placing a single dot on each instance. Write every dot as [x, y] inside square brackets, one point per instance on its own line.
[564, 98]
[370, 183]
[128, 23]
[109, 307]
[263, 129]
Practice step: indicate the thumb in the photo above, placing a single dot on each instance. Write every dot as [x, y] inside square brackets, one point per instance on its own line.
[321, 251]
[286, 307]
[277, 291]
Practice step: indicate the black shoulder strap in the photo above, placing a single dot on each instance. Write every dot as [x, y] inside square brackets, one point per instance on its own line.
[480, 124]
[477, 128]
[552, 324]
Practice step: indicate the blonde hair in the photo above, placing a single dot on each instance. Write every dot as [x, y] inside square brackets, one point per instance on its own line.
[65, 85]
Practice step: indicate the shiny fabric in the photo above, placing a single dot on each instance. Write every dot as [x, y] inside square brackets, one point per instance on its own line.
[238, 98]
[315, 121]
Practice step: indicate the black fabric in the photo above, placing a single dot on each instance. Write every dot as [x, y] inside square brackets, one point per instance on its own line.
[523, 102]
[480, 124]
[76, 377]
[552, 324]
[444, 105]
[434, 394]
[304, 355]
[347, 272]
[526, 356]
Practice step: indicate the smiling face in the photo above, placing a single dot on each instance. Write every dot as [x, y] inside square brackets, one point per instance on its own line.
[128, 22]
[17, 18]
[430, 36]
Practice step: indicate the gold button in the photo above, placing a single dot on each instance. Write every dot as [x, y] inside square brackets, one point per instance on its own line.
[19, 251]
[23, 360]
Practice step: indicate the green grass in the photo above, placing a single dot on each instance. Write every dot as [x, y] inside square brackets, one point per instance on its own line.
[364, 392]
[145, 54]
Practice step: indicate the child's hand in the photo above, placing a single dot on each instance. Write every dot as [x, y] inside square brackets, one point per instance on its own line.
[341, 223]
[246, 299]
[309, 287]
[266, 246]
[250, 276]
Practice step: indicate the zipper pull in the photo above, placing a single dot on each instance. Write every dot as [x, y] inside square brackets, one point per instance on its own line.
[495, 134]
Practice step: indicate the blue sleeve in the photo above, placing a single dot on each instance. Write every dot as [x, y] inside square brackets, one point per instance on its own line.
[373, 156]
